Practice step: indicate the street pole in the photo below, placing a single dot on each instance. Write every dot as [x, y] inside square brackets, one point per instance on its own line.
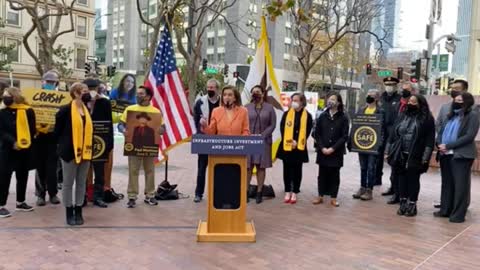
[438, 58]
[430, 52]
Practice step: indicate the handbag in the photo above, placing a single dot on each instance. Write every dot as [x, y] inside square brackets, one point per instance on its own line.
[395, 157]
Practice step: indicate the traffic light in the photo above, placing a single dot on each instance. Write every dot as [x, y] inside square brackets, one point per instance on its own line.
[97, 68]
[369, 69]
[438, 83]
[204, 64]
[236, 74]
[400, 73]
[88, 68]
[225, 70]
[111, 71]
[416, 69]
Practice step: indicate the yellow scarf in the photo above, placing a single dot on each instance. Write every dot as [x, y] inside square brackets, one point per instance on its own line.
[288, 136]
[82, 139]
[23, 129]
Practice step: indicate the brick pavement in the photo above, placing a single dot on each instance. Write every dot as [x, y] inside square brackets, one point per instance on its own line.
[357, 235]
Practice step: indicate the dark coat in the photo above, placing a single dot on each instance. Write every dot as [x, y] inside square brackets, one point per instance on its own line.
[422, 143]
[63, 133]
[143, 138]
[8, 136]
[389, 105]
[102, 111]
[331, 132]
[295, 155]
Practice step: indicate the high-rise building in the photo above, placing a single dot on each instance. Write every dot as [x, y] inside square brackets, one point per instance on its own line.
[464, 22]
[474, 52]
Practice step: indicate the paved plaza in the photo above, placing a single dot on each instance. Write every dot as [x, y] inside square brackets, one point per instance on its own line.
[357, 235]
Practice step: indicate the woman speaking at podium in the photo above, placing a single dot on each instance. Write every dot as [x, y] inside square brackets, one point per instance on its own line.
[231, 118]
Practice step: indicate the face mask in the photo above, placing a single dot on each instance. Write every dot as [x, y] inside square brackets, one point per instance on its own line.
[457, 106]
[48, 86]
[86, 98]
[412, 108]
[331, 104]
[211, 94]
[256, 98]
[139, 100]
[93, 94]
[370, 99]
[228, 104]
[389, 89]
[406, 93]
[295, 105]
[454, 94]
[8, 101]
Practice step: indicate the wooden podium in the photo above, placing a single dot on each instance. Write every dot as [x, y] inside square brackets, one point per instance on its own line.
[227, 187]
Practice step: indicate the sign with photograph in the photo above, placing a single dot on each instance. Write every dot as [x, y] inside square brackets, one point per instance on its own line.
[100, 136]
[366, 133]
[143, 134]
[46, 103]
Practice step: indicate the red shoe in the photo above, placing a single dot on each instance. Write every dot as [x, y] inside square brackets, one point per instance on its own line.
[287, 200]
[293, 201]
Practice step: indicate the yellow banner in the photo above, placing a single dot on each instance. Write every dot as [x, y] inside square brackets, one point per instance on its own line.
[46, 103]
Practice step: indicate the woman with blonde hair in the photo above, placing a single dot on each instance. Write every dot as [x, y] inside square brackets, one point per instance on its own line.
[74, 133]
[17, 125]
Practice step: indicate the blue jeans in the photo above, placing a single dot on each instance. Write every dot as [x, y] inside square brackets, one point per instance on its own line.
[368, 166]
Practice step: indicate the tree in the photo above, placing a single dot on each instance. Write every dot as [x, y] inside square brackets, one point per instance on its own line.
[40, 13]
[5, 50]
[193, 27]
[317, 26]
[62, 61]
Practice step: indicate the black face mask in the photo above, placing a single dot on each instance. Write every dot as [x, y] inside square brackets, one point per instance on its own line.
[8, 101]
[455, 106]
[228, 104]
[86, 98]
[256, 98]
[406, 94]
[412, 108]
[454, 94]
[211, 94]
[370, 99]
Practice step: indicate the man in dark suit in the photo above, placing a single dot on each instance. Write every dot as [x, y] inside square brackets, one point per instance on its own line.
[143, 135]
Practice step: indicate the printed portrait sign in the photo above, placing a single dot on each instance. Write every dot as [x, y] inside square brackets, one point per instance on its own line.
[100, 136]
[46, 103]
[366, 134]
[119, 106]
[143, 134]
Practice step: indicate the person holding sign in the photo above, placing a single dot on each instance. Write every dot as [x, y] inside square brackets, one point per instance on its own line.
[228, 119]
[101, 113]
[17, 125]
[409, 150]
[331, 131]
[295, 128]
[144, 106]
[262, 120]
[74, 133]
[369, 161]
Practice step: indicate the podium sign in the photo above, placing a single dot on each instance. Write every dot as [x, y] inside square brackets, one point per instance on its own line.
[366, 134]
[227, 186]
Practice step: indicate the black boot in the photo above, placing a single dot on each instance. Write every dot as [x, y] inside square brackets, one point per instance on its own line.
[259, 197]
[411, 209]
[388, 192]
[403, 207]
[78, 215]
[70, 216]
[394, 200]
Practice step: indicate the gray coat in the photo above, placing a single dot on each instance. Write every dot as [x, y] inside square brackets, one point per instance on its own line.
[442, 116]
[464, 146]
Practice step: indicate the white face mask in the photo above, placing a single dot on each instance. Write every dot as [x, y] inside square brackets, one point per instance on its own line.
[93, 94]
[295, 105]
[389, 89]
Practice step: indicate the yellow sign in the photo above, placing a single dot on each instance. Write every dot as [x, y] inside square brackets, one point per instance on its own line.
[46, 103]
[365, 138]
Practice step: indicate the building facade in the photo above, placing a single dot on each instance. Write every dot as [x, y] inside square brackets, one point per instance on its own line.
[474, 50]
[460, 58]
[17, 23]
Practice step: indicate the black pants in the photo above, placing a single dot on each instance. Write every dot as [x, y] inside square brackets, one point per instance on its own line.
[456, 181]
[46, 176]
[99, 182]
[379, 167]
[292, 176]
[21, 173]
[201, 174]
[409, 183]
[59, 172]
[328, 181]
[394, 181]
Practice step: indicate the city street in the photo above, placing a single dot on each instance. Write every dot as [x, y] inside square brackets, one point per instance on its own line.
[357, 235]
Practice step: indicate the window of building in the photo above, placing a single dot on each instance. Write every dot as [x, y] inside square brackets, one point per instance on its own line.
[221, 24]
[221, 57]
[221, 41]
[81, 26]
[253, 8]
[211, 41]
[120, 53]
[210, 58]
[46, 21]
[251, 43]
[152, 10]
[120, 64]
[288, 32]
[83, 2]
[81, 56]
[115, 53]
[13, 16]
[14, 54]
[120, 41]
[288, 48]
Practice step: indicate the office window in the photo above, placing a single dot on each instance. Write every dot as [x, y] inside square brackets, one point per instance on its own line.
[221, 41]
[83, 2]
[81, 55]
[115, 54]
[13, 16]
[14, 54]
[251, 43]
[121, 53]
[211, 41]
[221, 57]
[81, 26]
[288, 32]
[210, 58]
[221, 24]
[120, 65]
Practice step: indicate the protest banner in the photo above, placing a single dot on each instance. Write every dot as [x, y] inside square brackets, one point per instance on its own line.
[46, 103]
[366, 133]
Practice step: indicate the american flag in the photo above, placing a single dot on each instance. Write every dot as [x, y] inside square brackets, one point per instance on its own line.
[169, 95]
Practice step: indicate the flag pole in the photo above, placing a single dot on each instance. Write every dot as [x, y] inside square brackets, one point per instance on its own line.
[166, 168]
